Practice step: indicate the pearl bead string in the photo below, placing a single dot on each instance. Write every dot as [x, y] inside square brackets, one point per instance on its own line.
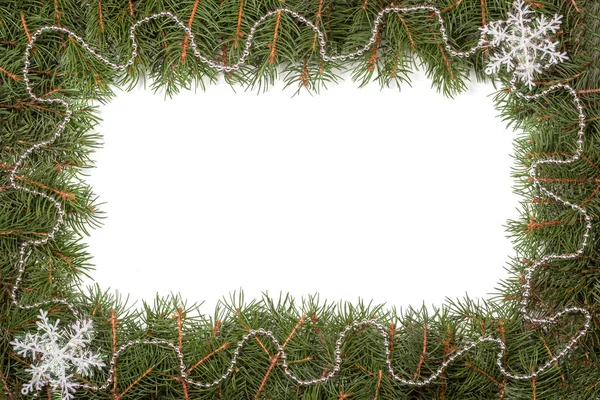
[25, 247]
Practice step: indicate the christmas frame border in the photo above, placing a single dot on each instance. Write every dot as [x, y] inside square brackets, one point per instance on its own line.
[24, 247]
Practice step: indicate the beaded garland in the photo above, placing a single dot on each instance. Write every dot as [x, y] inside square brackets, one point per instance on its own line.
[520, 8]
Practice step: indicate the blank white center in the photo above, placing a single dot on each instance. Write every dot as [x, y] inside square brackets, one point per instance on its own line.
[396, 197]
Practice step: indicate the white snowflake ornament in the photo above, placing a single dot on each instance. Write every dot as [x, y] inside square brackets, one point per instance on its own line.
[524, 45]
[57, 355]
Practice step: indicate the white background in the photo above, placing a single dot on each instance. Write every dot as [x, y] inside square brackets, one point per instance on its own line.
[397, 197]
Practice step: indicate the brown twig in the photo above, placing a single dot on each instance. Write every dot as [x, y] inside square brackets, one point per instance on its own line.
[38, 107]
[273, 44]
[410, 38]
[11, 75]
[238, 31]
[7, 233]
[374, 50]
[447, 350]
[587, 91]
[320, 334]
[63, 194]
[25, 27]
[548, 154]
[222, 347]
[587, 160]
[55, 90]
[57, 12]
[491, 378]
[130, 8]
[446, 61]
[113, 324]
[566, 180]
[503, 338]
[50, 265]
[562, 376]
[553, 82]
[366, 371]
[7, 390]
[392, 338]
[187, 36]
[19, 359]
[61, 165]
[537, 298]
[118, 396]
[533, 224]
[276, 357]
[62, 256]
[534, 3]
[317, 21]
[451, 6]
[305, 359]
[423, 353]
[48, 72]
[31, 321]
[262, 346]
[100, 16]
[380, 376]
[540, 200]
[576, 7]
[304, 74]
[591, 196]
[533, 385]
[483, 14]
[180, 316]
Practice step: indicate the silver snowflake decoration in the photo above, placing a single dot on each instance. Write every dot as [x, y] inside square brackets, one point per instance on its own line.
[57, 355]
[523, 44]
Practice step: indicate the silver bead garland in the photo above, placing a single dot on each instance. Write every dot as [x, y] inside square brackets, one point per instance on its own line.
[524, 304]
